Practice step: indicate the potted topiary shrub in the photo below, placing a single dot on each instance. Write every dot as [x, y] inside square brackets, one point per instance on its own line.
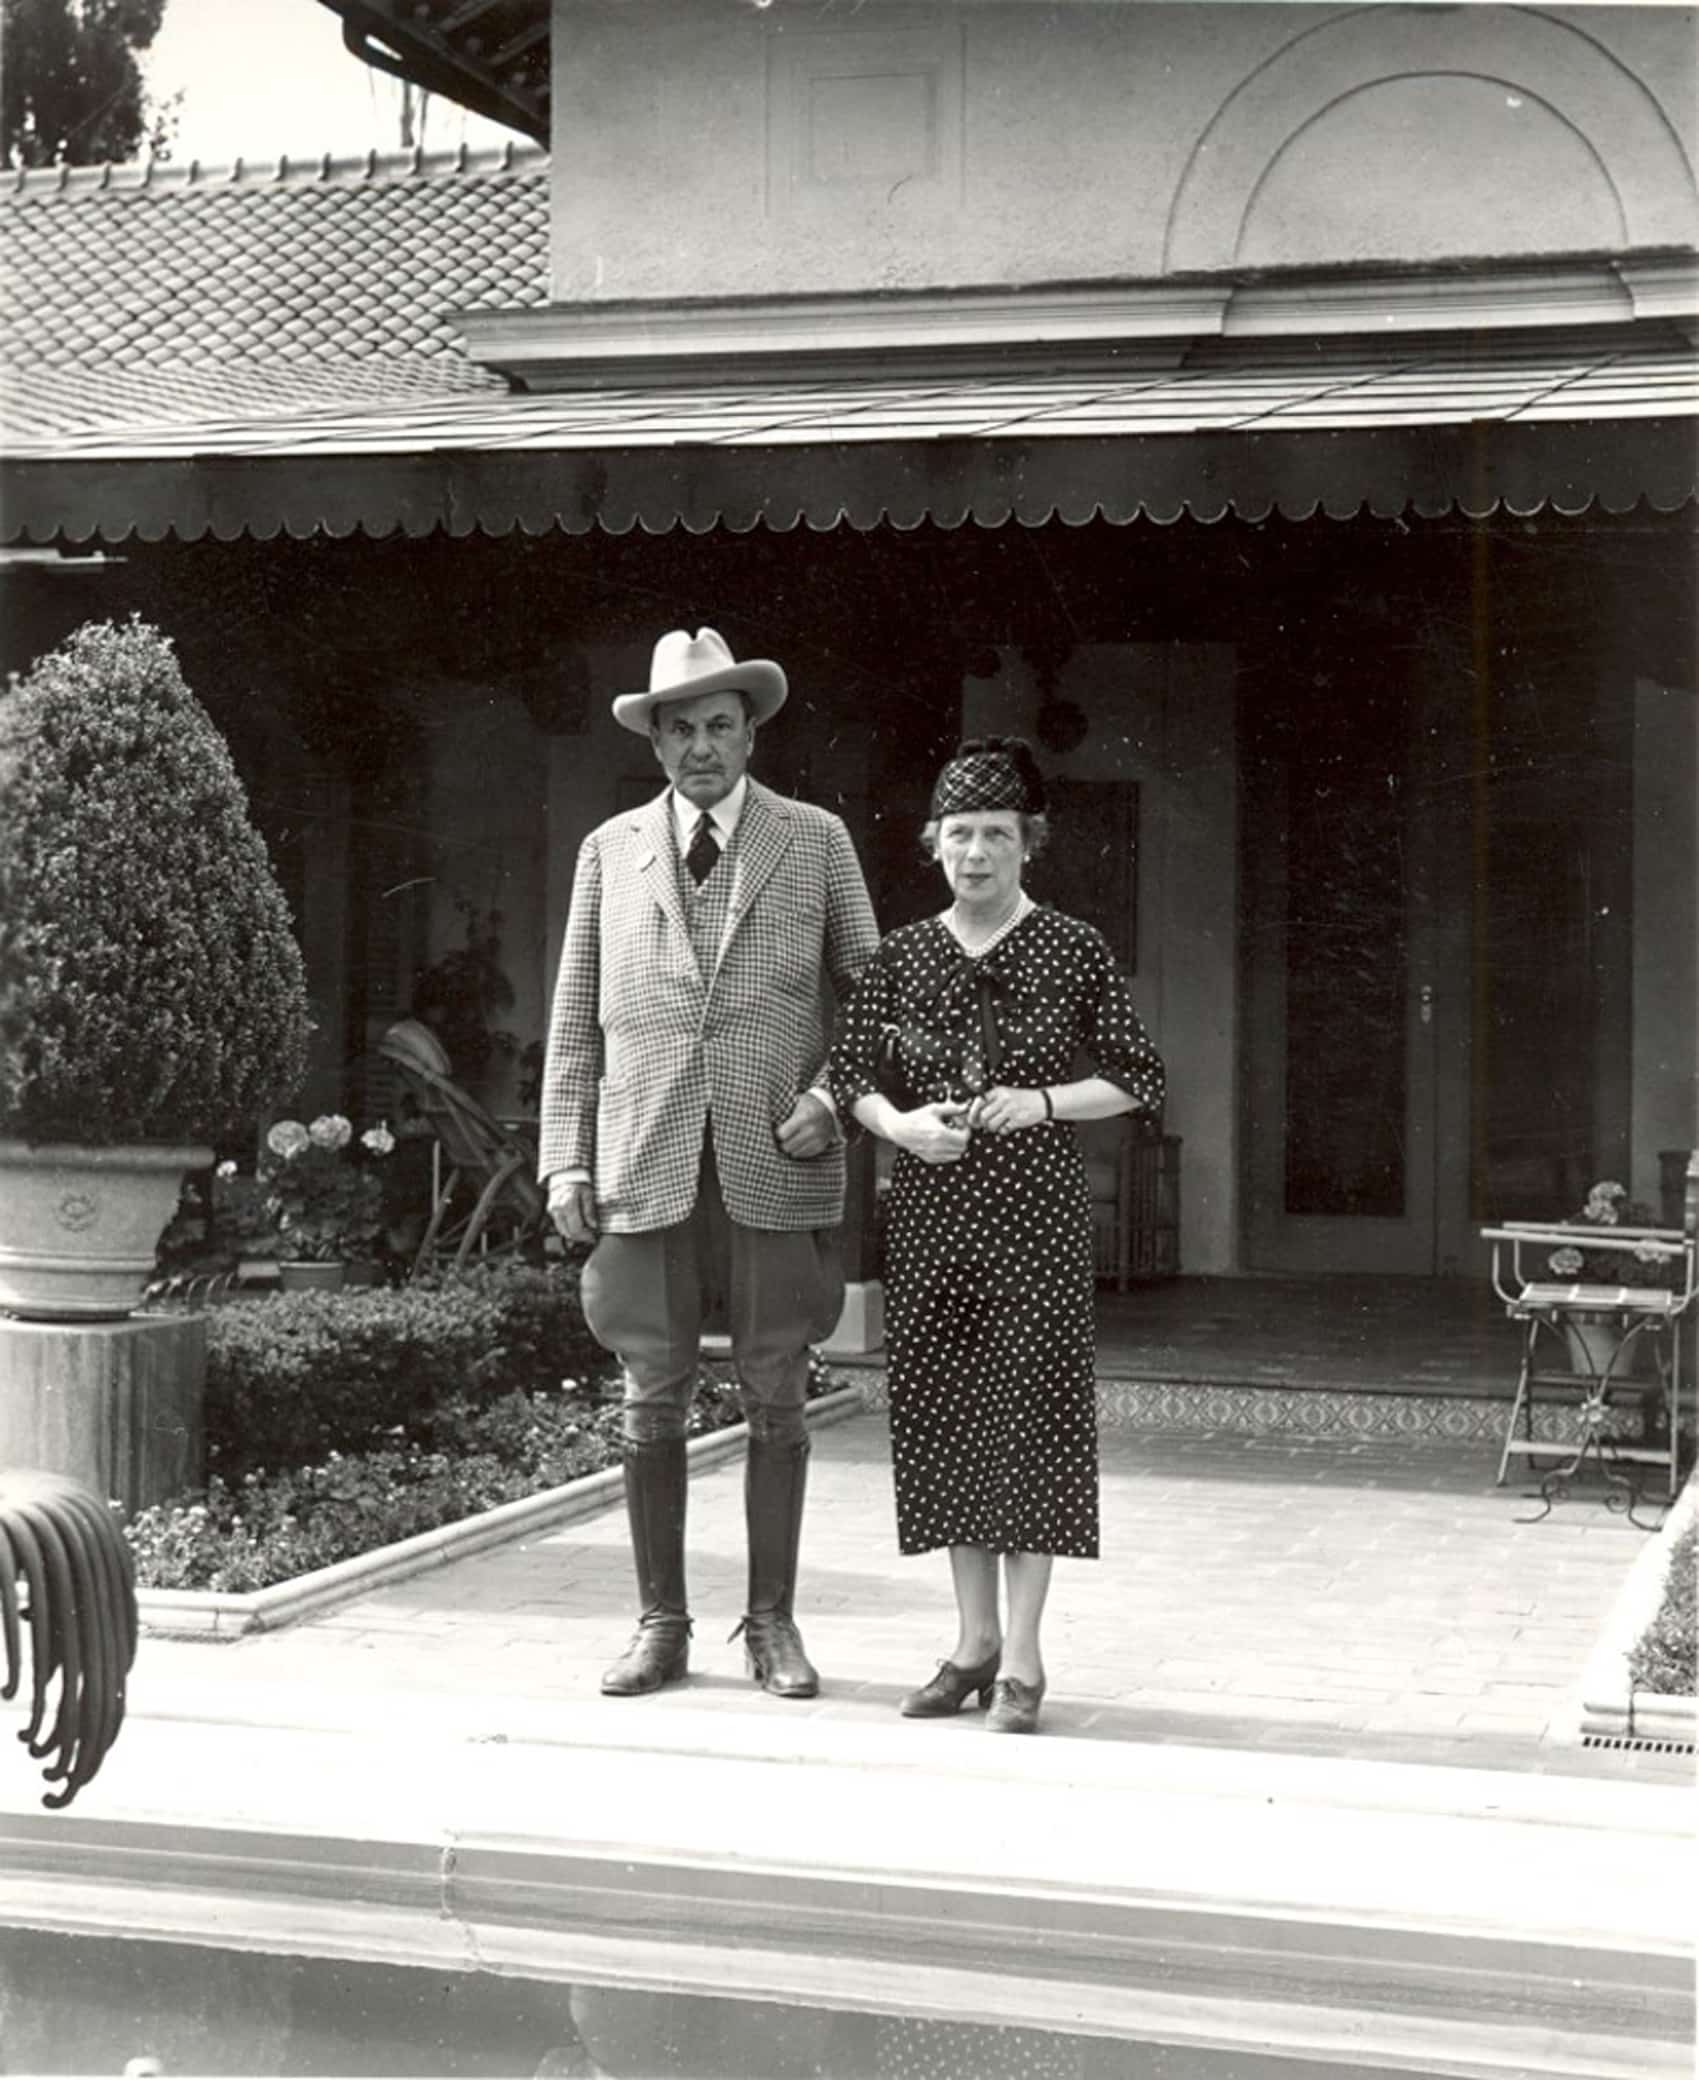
[152, 995]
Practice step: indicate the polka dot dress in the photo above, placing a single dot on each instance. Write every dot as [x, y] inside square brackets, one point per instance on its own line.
[914, 2047]
[988, 1267]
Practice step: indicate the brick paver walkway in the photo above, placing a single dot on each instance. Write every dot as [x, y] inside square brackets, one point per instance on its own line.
[1370, 1600]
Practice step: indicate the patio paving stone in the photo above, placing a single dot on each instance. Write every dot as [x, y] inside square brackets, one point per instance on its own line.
[1307, 1591]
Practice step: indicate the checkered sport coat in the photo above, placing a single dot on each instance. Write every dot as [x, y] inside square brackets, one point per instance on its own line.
[643, 1046]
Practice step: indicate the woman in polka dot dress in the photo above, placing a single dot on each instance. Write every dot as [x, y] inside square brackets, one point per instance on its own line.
[975, 1020]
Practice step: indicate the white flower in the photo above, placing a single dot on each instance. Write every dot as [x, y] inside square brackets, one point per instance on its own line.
[227, 1168]
[331, 1130]
[1566, 1262]
[378, 1139]
[287, 1138]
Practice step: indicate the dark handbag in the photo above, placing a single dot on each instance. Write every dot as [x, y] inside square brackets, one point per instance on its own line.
[981, 1056]
[888, 1070]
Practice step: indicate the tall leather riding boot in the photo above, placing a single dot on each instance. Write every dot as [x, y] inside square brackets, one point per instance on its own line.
[775, 1483]
[656, 1483]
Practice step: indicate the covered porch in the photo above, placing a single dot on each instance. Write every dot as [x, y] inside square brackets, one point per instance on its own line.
[1362, 668]
[1367, 1335]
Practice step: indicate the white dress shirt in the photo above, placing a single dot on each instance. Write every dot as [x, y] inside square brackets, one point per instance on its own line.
[725, 814]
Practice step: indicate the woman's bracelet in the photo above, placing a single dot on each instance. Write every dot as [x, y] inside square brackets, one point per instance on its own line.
[1049, 1106]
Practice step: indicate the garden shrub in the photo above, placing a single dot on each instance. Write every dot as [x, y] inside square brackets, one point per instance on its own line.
[293, 1377]
[1664, 1661]
[544, 1337]
[152, 986]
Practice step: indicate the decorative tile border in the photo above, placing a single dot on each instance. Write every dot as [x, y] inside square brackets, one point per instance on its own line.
[1284, 1410]
[1353, 1414]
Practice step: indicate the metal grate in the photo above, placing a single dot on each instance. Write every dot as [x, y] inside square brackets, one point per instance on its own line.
[1641, 1743]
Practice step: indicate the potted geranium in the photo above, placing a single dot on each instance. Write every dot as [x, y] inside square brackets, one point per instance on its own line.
[152, 995]
[326, 1199]
[1595, 1335]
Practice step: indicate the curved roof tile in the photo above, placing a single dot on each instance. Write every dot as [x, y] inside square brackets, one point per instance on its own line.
[164, 292]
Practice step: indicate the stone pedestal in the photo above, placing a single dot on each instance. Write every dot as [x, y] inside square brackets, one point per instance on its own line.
[116, 1405]
[861, 1326]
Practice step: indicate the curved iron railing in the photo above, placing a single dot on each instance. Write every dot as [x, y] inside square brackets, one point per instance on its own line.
[68, 1601]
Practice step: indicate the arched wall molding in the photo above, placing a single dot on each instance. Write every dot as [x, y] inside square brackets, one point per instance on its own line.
[1314, 122]
[1584, 87]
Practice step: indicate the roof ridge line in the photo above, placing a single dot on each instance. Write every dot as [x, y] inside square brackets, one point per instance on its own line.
[335, 169]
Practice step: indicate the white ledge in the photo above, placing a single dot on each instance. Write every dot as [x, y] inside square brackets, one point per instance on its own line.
[588, 345]
[581, 345]
[1607, 1706]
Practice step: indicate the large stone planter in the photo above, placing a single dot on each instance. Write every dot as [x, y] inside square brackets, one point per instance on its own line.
[79, 1226]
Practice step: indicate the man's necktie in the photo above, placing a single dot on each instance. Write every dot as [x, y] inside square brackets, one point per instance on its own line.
[704, 854]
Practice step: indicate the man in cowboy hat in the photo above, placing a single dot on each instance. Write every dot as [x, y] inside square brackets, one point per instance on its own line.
[686, 1131]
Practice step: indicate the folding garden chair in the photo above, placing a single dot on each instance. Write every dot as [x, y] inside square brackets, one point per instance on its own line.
[1598, 1328]
[485, 1196]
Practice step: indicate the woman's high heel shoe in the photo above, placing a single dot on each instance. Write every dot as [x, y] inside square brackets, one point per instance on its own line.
[1014, 1706]
[950, 1688]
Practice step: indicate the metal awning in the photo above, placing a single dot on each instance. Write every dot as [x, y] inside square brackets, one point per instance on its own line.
[1568, 419]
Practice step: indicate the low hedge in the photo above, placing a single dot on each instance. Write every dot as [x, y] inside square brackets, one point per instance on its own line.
[299, 1375]
[543, 1335]
[1664, 1659]
[249, 1533]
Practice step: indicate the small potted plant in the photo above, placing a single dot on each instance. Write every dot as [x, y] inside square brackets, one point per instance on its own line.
[1594, 1336]
[152, 995]
[327, 1202]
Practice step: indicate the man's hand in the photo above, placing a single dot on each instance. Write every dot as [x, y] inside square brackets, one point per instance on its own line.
[572, 1208]
[808, 1130]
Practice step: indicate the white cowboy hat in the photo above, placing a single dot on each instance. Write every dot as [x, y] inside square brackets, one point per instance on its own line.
[685, 665]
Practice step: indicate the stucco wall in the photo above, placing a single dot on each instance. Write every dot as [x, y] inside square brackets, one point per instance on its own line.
[711, 148]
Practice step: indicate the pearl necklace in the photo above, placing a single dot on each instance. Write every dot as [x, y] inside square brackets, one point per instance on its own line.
[998, 933]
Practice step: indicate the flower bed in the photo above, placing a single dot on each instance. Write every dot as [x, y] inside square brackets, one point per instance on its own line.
[269, 1527]
[1663, 1661]
[338, 1423]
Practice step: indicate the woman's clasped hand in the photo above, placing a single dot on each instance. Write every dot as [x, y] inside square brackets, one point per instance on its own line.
[941, 1133]
[1004, 1111]
[937, 1133]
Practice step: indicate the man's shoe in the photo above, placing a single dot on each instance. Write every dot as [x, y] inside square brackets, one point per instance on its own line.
[773, 1648]
[659, 1653]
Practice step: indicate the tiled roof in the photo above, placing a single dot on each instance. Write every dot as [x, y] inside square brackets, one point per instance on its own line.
[164, 294]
